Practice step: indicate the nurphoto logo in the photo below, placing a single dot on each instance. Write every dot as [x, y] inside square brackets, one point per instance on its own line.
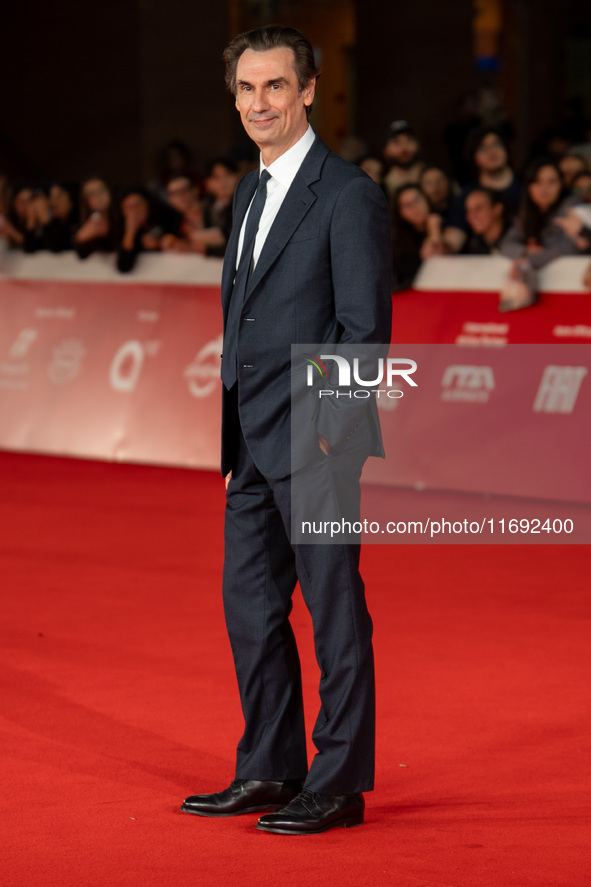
[349, 375]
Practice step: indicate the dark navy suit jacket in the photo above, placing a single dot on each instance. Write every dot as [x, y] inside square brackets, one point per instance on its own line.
[323, 276]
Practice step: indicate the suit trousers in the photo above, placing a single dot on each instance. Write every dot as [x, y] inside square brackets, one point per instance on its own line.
[261, 569]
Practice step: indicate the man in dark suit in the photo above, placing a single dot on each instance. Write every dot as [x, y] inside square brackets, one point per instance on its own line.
[308, 261]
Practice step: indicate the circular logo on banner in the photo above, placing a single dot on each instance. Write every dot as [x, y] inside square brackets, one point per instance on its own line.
[66, 361]
[204, 373]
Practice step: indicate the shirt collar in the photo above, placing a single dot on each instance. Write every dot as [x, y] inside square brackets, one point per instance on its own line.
[285, 168]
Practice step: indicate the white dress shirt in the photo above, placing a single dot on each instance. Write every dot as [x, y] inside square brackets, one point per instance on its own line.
[282, 171]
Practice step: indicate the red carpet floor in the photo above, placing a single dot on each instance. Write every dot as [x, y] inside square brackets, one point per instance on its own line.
[117, 699]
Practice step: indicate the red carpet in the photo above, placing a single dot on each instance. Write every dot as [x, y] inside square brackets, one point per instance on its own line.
[118, 698]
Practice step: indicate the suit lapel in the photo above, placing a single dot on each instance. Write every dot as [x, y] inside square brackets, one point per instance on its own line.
[296, 204]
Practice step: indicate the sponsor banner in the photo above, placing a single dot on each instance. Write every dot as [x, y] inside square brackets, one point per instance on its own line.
[473, 318]
[130, 372]
[111, 371]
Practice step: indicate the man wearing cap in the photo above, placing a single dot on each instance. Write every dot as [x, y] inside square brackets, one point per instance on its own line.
[401, 152]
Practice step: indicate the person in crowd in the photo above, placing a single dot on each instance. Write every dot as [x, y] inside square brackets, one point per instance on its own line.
[487, 222]
[570, 166]
[401, 155]
[99, 229]
[416, 234]
[28, 219]
[206, 224]
[540, 233]
[489, 156]
[437, 188]
[222, 177]
[183, 196]
[374, 167]
[64, 217]
[145, 221]
[581, 187]
[17, 215]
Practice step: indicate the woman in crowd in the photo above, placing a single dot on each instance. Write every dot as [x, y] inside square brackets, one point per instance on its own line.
[489, 157]
[15, 215]
[416, 233]
[29, 216]
[183, 196]
[540, 233]
[145, 222]
[220, 184]
[64, 217]
[99, 229]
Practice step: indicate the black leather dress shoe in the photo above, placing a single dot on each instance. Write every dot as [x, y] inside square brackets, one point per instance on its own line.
[243, 796]
[311, 813]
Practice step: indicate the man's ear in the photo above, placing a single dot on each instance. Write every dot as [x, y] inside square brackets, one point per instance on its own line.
[309, 92]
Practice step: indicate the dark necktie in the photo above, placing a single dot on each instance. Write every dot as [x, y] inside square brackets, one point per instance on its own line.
[230, 358]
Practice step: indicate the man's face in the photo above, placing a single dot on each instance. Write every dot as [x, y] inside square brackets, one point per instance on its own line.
[481, 214]
[435, 185]
[402, 149]
[272, 109]
[491, 155]
[569, 167]
[583, 188]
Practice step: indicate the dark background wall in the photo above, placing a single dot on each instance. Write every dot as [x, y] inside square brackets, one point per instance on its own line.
[413, 60]
[102, 86]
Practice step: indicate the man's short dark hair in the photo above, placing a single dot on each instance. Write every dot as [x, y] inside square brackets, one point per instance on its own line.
[493, 197]
[476, 138]
[272, 37]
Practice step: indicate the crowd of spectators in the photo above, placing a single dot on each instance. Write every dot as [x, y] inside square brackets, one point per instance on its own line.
[479, 205]
[487, 207]
[180, 212]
